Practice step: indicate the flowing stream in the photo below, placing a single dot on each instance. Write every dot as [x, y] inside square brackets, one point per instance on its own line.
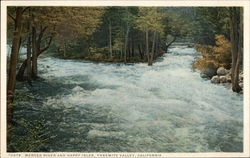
[168, 107]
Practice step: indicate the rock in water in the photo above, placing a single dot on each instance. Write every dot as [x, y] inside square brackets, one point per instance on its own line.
[215, 79]
[203, 75]
[210, 71]
[223, 79]
[221, 71]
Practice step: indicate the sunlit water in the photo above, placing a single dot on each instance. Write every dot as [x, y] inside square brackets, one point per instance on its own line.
[167, 107]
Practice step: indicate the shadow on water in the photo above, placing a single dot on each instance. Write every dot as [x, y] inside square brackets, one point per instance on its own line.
[69, 127]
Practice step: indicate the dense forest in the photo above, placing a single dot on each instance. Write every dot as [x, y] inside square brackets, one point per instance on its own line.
[122, 35]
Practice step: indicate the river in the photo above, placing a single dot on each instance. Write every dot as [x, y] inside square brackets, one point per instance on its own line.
[168, 107]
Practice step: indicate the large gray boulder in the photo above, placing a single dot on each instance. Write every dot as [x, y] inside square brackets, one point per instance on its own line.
[209, 72]
[221, 71]
[223, 79]
[215, 79]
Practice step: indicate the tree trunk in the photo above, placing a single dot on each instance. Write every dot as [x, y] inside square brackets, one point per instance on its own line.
[157, 47]
[129, 51]
[169, 44]
[140, 51]
[236, 41]
[126, 44]
[34, 54]
[132, 47]
[126, 37]
[36, 50]
[110, 39]
[13, 63]
[146, 43]
[20, 43]
[150, 63]
[29, 55]
[24, 64]
[20, 74]
[64, 50]
[121, 52]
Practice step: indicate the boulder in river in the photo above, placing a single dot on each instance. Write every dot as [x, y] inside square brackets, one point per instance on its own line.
[221, 71]
[209, 72]
[203, 75]
[223, 79]
[215, 79]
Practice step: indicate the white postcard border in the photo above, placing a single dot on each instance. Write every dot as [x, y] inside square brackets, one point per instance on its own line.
[244, 3]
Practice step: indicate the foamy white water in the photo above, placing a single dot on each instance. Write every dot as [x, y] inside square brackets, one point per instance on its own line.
[167, 107]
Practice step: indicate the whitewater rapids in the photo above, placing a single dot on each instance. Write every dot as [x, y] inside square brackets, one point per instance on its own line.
[167, 107]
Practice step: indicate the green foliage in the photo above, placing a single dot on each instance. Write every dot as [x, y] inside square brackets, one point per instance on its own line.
[79, 24]
[151, 19]
[176, 25]
[84, 28]
[99, 52]
[210, 21]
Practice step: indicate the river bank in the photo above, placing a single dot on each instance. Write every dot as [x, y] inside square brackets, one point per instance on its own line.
[223, 77]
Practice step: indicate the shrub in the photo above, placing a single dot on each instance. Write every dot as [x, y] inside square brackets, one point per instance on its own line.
[97, 57]
[222, 51]
[213, 57]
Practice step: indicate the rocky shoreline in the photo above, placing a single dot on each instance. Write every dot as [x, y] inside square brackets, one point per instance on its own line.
[223, 76]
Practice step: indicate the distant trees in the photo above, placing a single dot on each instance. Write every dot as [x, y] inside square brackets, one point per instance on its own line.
[131, 34]
[207, 22]
[79, 25]
[122, 38]
[112, 32]
[150, 21]
[117, 33]
[176, 27]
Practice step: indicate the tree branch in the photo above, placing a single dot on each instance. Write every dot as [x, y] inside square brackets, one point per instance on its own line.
[41, 33]
[171, 41]
[45, 48]
[25, 9]
[11, 17]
